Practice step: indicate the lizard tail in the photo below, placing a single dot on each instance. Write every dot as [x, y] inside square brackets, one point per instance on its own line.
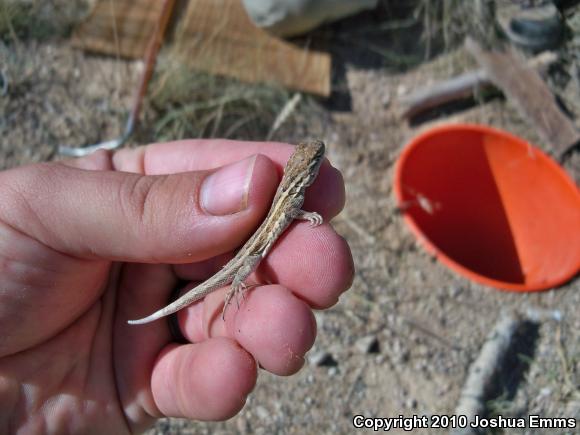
[156, 315]
[174, 307]
[218, 280]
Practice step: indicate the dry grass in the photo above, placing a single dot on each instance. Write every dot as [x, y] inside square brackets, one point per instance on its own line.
[39, 19]
[191, 104]
[441, 24]
[450, 21]
[185, 103]
[194, 104]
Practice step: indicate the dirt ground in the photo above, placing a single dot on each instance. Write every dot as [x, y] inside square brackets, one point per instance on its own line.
[401, 341]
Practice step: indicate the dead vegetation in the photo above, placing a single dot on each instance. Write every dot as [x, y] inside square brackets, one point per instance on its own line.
[39, 19]
[185, 103]
[193, 104]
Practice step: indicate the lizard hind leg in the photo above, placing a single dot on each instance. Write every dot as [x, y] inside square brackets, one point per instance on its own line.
[239, 287]
[238, 291]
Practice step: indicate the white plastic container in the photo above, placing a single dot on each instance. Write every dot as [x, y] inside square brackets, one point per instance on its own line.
[293, 17]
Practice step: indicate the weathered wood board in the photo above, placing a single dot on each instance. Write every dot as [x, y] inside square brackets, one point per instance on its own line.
[214, 36]
[529, 93]
[121, 27]
[217, 36]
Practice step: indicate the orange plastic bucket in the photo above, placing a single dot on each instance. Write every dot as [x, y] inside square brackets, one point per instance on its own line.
[491, 207]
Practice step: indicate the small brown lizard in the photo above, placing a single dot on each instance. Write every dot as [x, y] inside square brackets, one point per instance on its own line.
[299, 173]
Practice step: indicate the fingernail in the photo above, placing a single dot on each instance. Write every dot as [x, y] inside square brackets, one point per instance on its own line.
[225, 191]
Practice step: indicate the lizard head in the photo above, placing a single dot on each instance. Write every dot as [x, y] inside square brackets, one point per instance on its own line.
[305, 162]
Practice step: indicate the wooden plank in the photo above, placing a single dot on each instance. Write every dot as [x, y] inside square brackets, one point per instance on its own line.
[218, 37]
[530, 94]
[120, 27]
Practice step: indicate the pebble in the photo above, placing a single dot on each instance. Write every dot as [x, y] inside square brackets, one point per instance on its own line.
[386, 100]
[544, 392]
[242, 424]
[455, 291]
[368, 344]
[319, 316]
[411, 403]
[419, 276]
[333, 371]
[262, 413]
[322, 358]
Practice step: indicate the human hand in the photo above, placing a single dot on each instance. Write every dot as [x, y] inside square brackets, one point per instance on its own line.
[87, 244]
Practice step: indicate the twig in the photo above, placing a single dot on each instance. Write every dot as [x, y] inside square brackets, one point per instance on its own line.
[482, 371]
[284, 114]
[429, 332]
[459, 88]
[456, 88]
[564, 359]
[353, 385]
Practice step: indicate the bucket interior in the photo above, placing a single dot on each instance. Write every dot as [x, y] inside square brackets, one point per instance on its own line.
[492, 207]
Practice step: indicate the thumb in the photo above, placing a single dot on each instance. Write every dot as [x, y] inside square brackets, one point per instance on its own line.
[122, 216]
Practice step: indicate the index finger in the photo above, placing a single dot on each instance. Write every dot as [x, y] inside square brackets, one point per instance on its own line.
[326, 195]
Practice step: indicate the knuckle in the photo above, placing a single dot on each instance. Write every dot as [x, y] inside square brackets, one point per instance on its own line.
[156, 205]
[137, 199]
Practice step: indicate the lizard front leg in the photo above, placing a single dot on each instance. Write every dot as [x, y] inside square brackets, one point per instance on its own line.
[249, 264]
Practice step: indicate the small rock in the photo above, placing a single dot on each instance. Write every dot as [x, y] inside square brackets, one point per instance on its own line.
[242, 424]
[455, 291]
[262, 413]
[411, 403]
[386, 100]
[545, 392]
[333, 371]
[419, 276]
[380, 359]
[396, 347]
[334, 137]
[401, 90]
[404, 356]
[319, 316]
[368, 344]
[322, 358]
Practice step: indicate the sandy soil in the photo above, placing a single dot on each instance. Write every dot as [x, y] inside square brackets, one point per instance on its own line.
[425, 324]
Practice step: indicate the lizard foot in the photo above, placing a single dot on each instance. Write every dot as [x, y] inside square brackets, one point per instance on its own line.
[315, 219]
[235, 290]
